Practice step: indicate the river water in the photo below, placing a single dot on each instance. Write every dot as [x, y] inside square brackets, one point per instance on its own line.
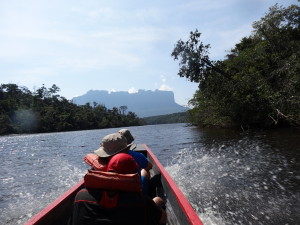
[230, 177]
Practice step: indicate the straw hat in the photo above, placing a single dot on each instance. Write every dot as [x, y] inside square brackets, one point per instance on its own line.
[126, 133]
[111, 145]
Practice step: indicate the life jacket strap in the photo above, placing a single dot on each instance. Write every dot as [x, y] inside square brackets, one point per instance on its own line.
[109, 201]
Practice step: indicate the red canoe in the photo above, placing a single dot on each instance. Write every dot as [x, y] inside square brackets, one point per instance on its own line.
[178, 208]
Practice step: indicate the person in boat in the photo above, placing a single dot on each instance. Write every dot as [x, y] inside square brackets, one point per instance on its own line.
[149, 184]
[142, 161]
[117, 143]
[115, 197]
[111, 145]
[140, 158]
[99, 159]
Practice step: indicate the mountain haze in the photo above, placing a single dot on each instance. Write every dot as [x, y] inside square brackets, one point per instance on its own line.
[143, 103]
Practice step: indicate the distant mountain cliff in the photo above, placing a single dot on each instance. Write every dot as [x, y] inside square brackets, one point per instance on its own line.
[143, 103]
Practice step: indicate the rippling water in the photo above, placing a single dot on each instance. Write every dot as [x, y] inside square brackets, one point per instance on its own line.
[229, 177]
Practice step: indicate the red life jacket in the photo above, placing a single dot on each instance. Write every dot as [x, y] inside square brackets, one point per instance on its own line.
[112, 181]
[108, 181]
[95, 162]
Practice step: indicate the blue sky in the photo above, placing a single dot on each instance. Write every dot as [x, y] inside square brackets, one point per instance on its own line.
[117, 45]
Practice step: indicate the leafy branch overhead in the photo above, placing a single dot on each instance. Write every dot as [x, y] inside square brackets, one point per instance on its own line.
[195, 63]
[258, 84]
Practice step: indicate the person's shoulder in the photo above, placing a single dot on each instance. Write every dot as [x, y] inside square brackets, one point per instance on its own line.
[85, 194]
[137, 154]
[139, 158]
[81, 194]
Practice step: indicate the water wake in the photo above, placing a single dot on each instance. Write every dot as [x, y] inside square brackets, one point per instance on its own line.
[32, 196]
[236, 184]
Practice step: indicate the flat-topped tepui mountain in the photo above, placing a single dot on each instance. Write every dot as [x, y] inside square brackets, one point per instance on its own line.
[143, 103]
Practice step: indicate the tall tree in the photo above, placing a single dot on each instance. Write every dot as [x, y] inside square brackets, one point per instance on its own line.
[46, 111]
[258, 84]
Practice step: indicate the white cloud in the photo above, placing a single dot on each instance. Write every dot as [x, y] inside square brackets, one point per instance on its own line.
[153, 14]
[132, 90]
[93, 43]
[202, 5]
[165, 87]
[85, 62]
[103, 13]
[163, 79]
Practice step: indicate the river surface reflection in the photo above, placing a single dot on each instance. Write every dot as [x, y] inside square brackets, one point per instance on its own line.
[230, 177]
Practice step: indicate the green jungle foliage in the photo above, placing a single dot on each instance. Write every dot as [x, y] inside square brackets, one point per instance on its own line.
[257, 84]
[181, 117]
[45, 111]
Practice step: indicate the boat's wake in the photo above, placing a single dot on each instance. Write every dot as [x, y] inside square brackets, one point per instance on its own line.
[188, 173]
[234, 185]
[31, 197]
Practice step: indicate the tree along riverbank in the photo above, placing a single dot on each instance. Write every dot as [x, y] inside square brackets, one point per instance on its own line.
[22, 111]
[258, 83]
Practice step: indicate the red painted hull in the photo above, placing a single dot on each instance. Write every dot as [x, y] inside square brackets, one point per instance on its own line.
[178, 208]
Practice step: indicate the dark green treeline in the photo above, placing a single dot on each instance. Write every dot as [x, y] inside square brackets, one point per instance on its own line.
[257, 84]
[22, 111]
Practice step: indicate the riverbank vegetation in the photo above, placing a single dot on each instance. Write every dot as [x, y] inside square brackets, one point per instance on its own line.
[44, 110]
[181, 117]
[257, 84]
